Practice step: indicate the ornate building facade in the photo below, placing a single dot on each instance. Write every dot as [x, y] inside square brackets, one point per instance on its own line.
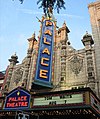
[94, 10]
[71, 68]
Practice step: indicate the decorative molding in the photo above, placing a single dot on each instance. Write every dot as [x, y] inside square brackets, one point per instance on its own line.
[76, 64]
[17, 75]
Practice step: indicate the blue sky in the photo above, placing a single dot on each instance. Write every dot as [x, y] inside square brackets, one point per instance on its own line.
[18, 22]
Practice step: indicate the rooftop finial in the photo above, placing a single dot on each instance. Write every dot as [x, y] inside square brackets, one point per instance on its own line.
[15, 54]
[64, 24]
[33, 35]
[86, 32]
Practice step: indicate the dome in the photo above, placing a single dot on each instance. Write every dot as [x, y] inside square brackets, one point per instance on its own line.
[14, 56]
[87, 35]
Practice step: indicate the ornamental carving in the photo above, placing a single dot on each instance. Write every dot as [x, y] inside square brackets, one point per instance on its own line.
[18, 75]
[76, 64]
[34, 52]
[58, 46]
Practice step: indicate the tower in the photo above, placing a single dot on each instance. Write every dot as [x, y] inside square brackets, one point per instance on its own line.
[88, 42]
[94, 10]
[13, 61]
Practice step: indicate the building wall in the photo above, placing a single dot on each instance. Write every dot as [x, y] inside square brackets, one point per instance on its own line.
[94, 10]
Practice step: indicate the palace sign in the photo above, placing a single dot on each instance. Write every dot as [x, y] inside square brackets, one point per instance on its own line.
[44, 63]
[17, 99]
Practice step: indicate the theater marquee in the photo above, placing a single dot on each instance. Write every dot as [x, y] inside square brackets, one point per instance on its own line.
[44, 63]
[17, 99]
[58, 100]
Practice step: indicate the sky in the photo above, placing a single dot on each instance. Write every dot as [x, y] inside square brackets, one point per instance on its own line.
[18, 22]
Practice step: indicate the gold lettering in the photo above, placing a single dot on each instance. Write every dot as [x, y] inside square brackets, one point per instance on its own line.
[42, 61]
[46, 51]
[43, 73]
[48, 23]
[46, 41]
[48, 32]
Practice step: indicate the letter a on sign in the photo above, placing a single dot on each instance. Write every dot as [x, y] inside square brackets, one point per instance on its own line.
[46, 51]
[48, 32]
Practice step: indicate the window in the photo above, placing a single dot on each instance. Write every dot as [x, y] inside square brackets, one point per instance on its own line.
[90, 69]
[90, 74]
[62, 78]
[89, 58]
[74, 88]
[0, 87]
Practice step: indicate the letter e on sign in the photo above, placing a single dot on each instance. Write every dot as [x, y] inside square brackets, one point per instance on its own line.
[43, 73]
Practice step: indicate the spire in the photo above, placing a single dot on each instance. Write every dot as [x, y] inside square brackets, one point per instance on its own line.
[32, 37]
[64, 24]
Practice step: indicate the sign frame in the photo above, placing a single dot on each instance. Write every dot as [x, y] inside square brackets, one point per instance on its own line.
[61, 105]
[24, 99]
[46, 82]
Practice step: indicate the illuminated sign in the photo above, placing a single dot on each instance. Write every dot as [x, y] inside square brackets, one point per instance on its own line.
[58, 100]
[17, 99]
[44, 62]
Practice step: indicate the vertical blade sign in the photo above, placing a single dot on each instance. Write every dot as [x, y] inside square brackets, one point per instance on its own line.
[44, 63]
